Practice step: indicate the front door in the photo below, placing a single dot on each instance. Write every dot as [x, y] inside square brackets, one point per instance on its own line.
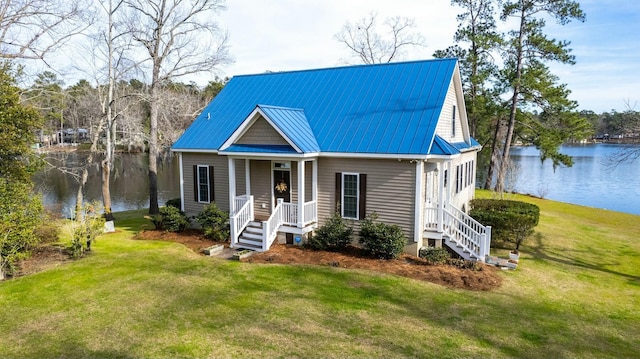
[282, 185]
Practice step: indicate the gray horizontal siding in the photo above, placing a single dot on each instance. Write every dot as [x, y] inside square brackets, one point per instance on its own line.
[390, 189]
[221, 180]
[261, 132]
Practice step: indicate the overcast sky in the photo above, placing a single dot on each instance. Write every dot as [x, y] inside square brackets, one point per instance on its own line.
[282, 35]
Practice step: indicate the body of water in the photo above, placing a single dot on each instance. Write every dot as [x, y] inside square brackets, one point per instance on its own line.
[129, 183]
[591, 181]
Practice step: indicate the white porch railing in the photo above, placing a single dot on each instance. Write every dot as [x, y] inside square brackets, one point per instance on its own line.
[243, 215]
[431, 218]
[271, 225]
[310, 212]
[461, 229]
[289, 213]
[286, 213]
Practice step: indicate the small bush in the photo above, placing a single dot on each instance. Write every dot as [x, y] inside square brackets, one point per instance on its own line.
[214, 222]
[170, 219]
[510, 221]
[381, 240]
[174, 202]
[335, 234]
[434, 255]
[85, 229]
[465, 264]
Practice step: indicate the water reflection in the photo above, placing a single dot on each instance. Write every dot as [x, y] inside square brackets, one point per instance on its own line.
[591, 181]
[129, 182]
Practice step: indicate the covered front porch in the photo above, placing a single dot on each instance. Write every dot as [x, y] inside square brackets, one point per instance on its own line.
[280, 198]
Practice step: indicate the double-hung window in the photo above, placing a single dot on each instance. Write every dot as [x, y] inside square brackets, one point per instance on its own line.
[350, 195]
[203, 183]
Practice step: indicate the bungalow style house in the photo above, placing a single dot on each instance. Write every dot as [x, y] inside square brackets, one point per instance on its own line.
[284, 151]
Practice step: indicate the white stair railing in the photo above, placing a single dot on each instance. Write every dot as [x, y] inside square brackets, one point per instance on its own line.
[241, 218]
[271, 225]
[467, 233]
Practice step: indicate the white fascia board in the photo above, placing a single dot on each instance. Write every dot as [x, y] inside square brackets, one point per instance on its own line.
[193, 150]
[443, 157]
[246, 124]
[295, 147]
[259, 155]
[372, 155]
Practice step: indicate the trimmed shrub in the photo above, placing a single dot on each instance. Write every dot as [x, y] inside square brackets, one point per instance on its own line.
[434, 255]
[174, 202]
[170, 219]
[214, 223]
[510, 221]
[335, 234]
[381, 240]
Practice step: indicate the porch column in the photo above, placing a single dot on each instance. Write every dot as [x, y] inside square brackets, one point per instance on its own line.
[314, 181]
[181, 181]
[247, 176]
[419, 208]
[301, 192]
[232, 185]
[441, 195]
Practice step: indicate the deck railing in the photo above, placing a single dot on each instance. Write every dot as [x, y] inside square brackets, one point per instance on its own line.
[467, 232]
[461, 228]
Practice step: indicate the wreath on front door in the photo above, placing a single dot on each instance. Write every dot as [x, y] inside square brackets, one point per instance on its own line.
[281, 186]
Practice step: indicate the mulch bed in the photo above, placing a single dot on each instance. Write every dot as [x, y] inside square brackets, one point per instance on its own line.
[484, 279]
[487, 278]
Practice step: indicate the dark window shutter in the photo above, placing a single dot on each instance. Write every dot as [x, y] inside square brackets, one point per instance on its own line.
[363, 197]
[338, 192]
[195, 183]
[212, 193]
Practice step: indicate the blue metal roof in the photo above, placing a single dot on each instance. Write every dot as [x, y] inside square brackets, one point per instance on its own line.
[442, 147]
[463, 145]
[377, 109]
[295, 126]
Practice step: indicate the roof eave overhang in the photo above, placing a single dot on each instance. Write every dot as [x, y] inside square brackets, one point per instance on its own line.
[193, 150]
[263, 155]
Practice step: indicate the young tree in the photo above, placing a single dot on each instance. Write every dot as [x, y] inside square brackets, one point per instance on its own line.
[528, 48]
[20, 209]
[367, 44]
[179, 38]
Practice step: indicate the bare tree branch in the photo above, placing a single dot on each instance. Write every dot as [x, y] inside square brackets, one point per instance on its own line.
[31, 29]
[370, 47]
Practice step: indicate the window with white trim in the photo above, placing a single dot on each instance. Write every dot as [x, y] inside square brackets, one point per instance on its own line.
[203, 184]
[350, 195]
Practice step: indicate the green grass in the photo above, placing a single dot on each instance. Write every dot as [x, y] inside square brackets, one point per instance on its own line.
[575, 294]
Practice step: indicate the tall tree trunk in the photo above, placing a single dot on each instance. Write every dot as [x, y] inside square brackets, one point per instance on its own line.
[153, 150]
[504, 163]
[493, 157]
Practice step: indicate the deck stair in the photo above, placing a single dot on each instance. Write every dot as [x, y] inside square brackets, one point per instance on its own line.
[251, 237]
[465, 236]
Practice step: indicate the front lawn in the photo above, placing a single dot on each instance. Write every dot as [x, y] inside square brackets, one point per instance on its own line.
[575, 294]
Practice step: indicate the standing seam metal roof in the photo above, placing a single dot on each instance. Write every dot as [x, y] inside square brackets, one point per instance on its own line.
[378, 109]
